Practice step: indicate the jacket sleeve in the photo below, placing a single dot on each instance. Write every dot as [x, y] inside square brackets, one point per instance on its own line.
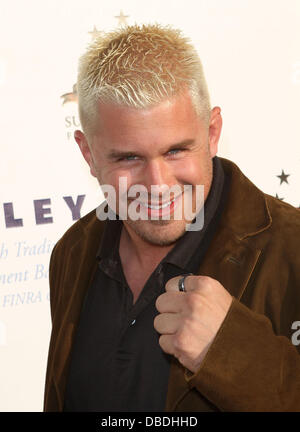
[248, 367]
[55, 268]
[52, 293]
[56, 271]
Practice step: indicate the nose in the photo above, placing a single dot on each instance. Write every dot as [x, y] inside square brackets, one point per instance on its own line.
[157, 173]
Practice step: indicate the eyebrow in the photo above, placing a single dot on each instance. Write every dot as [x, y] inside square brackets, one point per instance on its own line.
[115, 154]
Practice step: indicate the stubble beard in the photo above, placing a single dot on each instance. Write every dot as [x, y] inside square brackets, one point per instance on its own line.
[161, 232]
[158, 232]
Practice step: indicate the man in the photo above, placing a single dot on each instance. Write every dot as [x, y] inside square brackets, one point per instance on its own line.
[147, 314]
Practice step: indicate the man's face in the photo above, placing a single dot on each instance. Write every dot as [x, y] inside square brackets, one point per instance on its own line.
[165, 145]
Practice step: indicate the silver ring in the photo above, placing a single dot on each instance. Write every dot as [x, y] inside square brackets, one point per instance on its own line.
[181, 286]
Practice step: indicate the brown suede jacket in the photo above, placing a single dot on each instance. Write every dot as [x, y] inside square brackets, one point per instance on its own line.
[252, 364]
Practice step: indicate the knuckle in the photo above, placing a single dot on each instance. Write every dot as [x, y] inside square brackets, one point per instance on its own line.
[161, 342]
[207, 285]
[159, 322]
[170, 283]
[206, 278]
[155, 322]
[159, 302]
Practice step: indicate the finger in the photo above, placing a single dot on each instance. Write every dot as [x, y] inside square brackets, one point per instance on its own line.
[166, 343]
[169, 302]
[173, 284]
[166, 323]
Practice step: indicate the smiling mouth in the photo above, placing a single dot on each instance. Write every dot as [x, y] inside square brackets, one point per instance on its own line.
[158, 206]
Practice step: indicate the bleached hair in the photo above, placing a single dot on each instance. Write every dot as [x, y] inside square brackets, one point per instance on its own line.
[139, 66]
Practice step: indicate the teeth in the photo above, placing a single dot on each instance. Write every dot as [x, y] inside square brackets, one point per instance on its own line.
[157, 207]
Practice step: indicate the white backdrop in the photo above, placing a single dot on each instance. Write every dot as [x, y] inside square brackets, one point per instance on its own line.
[250, 51]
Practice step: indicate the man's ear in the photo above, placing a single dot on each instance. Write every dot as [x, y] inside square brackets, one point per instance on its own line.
[215, 127]
[82, 142]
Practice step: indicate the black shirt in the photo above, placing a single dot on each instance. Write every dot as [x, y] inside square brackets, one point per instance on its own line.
[117, 363]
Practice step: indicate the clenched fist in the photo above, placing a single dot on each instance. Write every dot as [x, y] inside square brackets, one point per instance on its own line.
[189, 321]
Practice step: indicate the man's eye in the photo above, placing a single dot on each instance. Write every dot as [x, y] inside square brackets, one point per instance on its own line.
[174, 151]
[127, 158]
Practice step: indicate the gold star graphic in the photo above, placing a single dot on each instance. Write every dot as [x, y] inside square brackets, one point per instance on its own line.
[283, 177]
[95, 33]
[122, 18]
[70, 97]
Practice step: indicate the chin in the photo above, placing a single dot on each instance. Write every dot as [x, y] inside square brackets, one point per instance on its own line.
[159, 233]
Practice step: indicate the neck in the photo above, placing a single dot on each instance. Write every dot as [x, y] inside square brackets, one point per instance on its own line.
[147, 254]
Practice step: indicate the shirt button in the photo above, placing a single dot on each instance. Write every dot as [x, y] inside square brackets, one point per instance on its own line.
[132, 322]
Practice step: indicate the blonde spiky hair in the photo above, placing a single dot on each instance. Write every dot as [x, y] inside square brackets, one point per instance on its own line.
[139, 66]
